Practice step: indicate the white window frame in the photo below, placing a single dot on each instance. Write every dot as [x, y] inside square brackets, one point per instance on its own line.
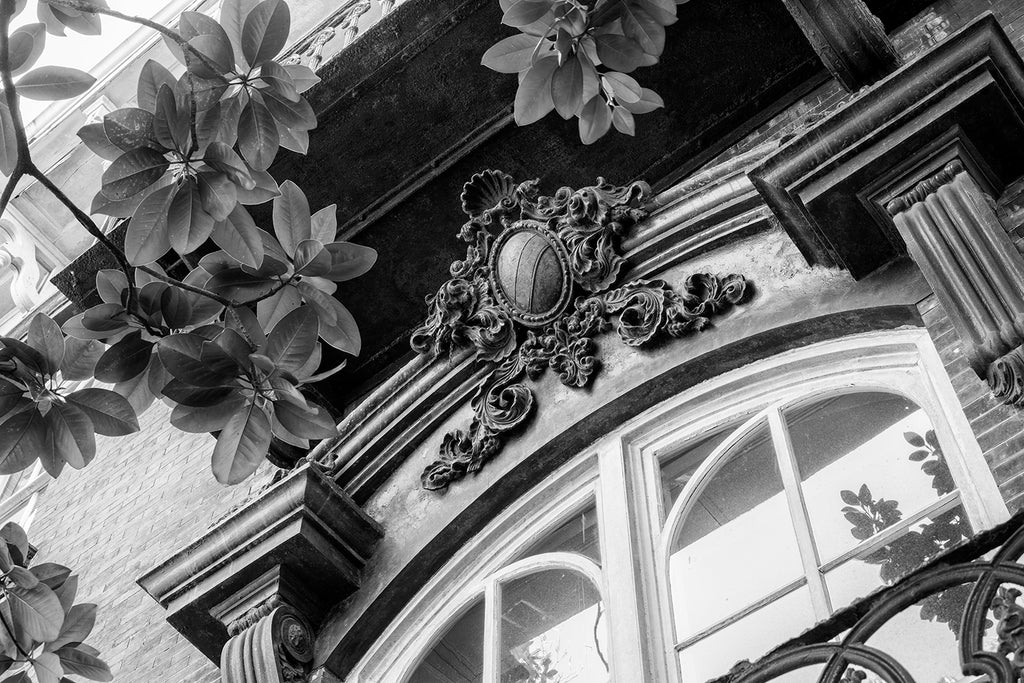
[620, 474]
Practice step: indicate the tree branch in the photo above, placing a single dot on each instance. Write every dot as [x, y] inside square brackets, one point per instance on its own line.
[88, 7]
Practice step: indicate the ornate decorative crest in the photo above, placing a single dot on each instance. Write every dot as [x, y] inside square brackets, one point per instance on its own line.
[512, 300]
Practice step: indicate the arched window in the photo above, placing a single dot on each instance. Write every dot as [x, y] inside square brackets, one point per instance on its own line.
[790, 514]
[537, 620]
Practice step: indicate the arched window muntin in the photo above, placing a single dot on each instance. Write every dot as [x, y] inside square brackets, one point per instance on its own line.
[620, 474]
[489, 591]
[902, 363]
[496, 551]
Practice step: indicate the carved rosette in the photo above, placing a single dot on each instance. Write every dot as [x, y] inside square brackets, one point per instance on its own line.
[277, 648]
[511, 300]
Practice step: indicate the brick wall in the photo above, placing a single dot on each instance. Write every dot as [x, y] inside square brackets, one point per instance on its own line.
[143, 498]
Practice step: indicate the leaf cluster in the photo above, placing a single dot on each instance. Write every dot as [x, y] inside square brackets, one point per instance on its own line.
[575, 57]
[231, 345]
[42, 629]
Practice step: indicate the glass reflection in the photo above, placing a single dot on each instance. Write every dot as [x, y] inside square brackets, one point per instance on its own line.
[740, 514]
[459, 656]
[552, 630]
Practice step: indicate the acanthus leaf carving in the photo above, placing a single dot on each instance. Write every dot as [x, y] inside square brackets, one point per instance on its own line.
[470, 311]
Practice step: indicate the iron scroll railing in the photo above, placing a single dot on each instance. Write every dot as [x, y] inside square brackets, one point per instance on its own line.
[990, 635]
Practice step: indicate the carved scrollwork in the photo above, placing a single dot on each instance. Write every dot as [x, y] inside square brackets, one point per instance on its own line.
[509, 299]
[276, 648]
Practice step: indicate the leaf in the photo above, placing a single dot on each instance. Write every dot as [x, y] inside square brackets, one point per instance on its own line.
[199, 397]
[125, 359]
[17, 542]
[649, 101]
[25, 353]
[22, 438]
[265, 31]
[110, 412]
[244, 321]
[302, 76]
[218, 194]
[525, 12]
[258, 139]
[224, 159]
[623, 121]
[151, 79]
[171, 124]
[219, 123]
[130, 128]
[618, 52]
[273, 309]
[278, 79]
[95, 138]
[76, 661]
[25, 46]
[265, 190]
[106, 319]
[914, 439]
[110, 285]
[337, 326]
[242, 445]
[176, 308]
[23, 577]
[182, 356]
[188, 223]
[240, 238]
[312, 423]
[80, 357]
[349, 260]
[53, 575]
[567, 87]
[324, 224]
[292, 222]
[147, 238]
[510, 55]
[232, 17]
[78, 624]
[648, 33]
[595, 120]
[533, 98]
[136, 392]
[71, 433]
[8, 141]
[133, 172]
[240, 286]
[291, 117]
[864, 495]
[849, 497]
[38, 611]
[45, 336]
[311, 258]
[47, 668]
[207, 418]
[292, 340]
[663, 11]
[49, 83]
[625, 88]
[217, 49]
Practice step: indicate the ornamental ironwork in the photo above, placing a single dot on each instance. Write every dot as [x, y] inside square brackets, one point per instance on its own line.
[538, 284]
[984, 574]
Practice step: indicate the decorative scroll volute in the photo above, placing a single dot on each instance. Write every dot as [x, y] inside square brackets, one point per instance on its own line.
[977, 274]
[511, 300]
[277, 648]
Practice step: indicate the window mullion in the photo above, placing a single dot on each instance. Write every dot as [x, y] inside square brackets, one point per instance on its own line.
[492, 632]
[798, 512]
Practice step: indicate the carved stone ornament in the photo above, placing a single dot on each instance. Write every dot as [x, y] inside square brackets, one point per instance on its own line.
[537, 285]
[277, 648]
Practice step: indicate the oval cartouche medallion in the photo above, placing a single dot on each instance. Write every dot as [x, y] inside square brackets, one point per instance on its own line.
[530, 273]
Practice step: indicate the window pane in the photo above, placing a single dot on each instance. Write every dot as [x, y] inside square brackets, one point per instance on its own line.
[718, 563]
[577, 535]
[749, 638]
[459, 656]
[677, 469]
[866, 460]
[886, 565]
[552, 621]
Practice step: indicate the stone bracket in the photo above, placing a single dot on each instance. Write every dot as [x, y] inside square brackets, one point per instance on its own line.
[259, 582]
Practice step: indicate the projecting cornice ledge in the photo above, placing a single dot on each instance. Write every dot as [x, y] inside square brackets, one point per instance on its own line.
[250, 592]
[829, 186]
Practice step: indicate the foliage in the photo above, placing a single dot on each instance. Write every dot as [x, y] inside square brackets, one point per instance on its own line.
[575, 57]
[909, 551]
[42, 630]
[232, 344]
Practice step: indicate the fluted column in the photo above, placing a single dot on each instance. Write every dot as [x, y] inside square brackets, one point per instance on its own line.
[977, 274]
